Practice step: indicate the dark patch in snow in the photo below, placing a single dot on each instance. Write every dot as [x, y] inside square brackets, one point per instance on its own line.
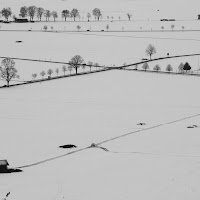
[142, 124]
[68, 146]
[193, 126]
[19, 41]
[11, 171]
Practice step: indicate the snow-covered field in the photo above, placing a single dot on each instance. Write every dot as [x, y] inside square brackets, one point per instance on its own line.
[160, 162]
[37, 118]
[106, 48]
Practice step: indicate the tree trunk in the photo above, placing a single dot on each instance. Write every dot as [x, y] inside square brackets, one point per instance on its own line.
[7, 83]
[74, 18]
[76, 69]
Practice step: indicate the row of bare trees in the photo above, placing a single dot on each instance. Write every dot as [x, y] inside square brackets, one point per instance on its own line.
[75, 63]
[39, 12]
[181, 68]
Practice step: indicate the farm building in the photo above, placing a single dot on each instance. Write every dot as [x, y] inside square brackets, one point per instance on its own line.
[21, 20]
[198, 16]
[3, 165]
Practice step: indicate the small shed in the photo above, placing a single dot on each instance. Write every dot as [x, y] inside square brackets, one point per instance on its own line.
[3, 165]
[21, 20]
[198, 16]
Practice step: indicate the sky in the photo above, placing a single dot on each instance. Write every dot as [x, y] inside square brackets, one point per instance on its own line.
[188, 9]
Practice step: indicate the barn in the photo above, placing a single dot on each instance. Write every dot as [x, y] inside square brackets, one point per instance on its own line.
[3, 166]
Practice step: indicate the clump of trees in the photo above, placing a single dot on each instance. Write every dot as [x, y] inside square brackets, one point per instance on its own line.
[8, 70]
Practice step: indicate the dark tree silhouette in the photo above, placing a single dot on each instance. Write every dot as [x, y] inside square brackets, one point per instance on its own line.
[76, 61]
[180, 67]
[40, 12]
[88, 16]
[97, 13]
[150, 50]
[157, 68]
[186, 67]
[64, 69]
[47, 14]
[90, 64]
[23, 11]
[145, 66]
[65, 14]
[129, 16]
[42, 74]
[6, 12]
[55, 15]
[8, 70]
[169, 68]
[74, 13]
[31, 10]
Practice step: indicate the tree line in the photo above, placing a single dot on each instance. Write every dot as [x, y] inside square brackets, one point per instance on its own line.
[39, 12]
[9, 72]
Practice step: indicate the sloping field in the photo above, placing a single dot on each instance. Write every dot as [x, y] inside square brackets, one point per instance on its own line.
[108, 48]
[161, 162]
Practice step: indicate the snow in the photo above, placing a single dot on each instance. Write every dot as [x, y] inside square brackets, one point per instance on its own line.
[159, 163]
[158, 160]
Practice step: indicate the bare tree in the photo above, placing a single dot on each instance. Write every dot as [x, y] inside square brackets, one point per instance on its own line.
[42, 74]
[45, 27]
[180, 68]
[83, 67]
[8, 70]
[49, 72]
[76, 61]
[57, 71]
[145, 66]
[74, 13]
[34, 76]
[169, 68]
[47, 14]
[129, 16]
[97, 13]
[23, 11]
[65, 14]
[150, 50]
[70, 68]
[90, 64]
[55, 15]
[6, 13]
[107, 27]
[31, 10]
[40, 12]
[88, 16]
[78, 27]
[97, 66]
[157, 68]
[172, 27]
[162, 27]
[64, 69]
